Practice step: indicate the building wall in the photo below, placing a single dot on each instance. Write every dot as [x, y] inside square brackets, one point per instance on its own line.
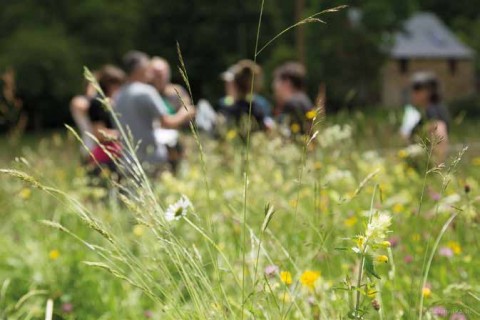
[457, 79]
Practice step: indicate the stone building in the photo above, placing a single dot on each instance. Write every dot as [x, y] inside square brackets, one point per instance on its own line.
[426, 44]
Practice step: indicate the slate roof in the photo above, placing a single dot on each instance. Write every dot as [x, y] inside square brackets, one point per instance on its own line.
[424, 35]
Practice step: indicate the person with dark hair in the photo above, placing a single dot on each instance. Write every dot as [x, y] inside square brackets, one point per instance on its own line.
[426, 113]
[240, 79]
[110, 79]
[139, 105]
[294, 107]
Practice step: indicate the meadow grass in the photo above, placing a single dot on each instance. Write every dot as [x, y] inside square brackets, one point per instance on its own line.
[103, 257]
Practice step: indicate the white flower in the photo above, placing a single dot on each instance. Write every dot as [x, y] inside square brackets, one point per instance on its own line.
[178, 210]
[378, 227]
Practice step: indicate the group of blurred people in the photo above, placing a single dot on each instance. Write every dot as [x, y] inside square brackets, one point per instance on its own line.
[148, 111]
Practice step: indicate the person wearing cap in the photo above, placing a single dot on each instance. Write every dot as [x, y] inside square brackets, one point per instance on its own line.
[235, 106]
[426, 113]
[139, 104]
[294, 109]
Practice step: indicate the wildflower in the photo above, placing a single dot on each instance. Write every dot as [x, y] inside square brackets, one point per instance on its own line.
[67, 307]
[381, 259]
[427, 292]
[394, 241]
[467, 188]
[371, 293]
[397, 208]
[178, 210]
[408, 259]
[286, 277]
[439, 311]
[54, 254]
[308, 278]
[476, 161]
[138, 230]
[416, 237]
[311, 114]
[402, 154]
[458, 316]
[148, 314]
[378, 227]
[360, 240]
[231, 134]
[295, 127]
[445, 252]
[376, 305]
[351, 221]
[385, 244]
[25, 193]
[271, 270]
[455, 246]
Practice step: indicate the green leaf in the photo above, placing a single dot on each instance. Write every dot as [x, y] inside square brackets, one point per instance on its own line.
[370, 267]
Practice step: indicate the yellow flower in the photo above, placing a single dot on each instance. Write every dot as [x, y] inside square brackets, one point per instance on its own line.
[308, 278]
[317, 165]
[415, 237]
[293, 203]
[427, 292]
[385, 244]
[398, 208]
[138, 230]
[350, 222]
[311, 114]
[382, 259]
[455, 246]
[54, 254]
[231, 134]
[360, 241]
[286, 277]
[371, 293]
[25, 193]
[476, 161]
[295, 127]
[402, 154]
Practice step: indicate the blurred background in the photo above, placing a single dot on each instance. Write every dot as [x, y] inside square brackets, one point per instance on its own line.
[364, 54]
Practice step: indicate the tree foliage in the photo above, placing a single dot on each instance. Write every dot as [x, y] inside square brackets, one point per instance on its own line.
[48, 41]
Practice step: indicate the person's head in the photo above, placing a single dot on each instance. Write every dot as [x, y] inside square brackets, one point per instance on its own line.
[288, 79]
[136, 66]
[161, 73]
[424, 89]
[110, 78]
[239, 77]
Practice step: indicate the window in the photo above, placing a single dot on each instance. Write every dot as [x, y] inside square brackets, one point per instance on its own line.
[403, 66]
[452, 66]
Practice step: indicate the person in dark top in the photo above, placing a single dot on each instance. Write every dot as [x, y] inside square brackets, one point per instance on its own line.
[294, 108]
[110, 79]
[426, 114]
[236, 106]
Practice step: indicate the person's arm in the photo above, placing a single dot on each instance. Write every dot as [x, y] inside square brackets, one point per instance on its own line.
[439, 132]
[178, 119]
[158, 110]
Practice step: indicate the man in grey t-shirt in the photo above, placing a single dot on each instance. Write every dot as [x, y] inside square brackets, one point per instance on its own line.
[138, 105]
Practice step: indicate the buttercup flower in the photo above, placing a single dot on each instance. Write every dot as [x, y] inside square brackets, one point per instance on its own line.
[455, 246]
[54, 254]
[427, 292]
[308, 278]
[286, 277]
[178, 210]
[381, 259]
